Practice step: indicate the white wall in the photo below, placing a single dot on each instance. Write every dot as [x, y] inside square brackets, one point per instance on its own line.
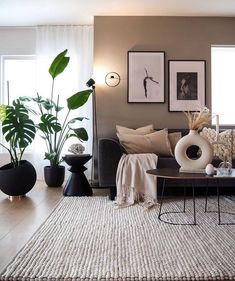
[17, 40]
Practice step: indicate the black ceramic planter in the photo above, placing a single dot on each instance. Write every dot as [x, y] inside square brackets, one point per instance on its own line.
[54, 176]
[17, 181]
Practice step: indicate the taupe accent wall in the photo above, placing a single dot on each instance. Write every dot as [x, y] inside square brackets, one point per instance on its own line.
[186, 38]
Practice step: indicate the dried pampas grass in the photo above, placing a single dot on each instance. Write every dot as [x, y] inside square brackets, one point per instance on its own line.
[197, 119]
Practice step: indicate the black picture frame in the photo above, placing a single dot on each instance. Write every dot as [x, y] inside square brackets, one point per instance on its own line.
[186, 85]
[146, 82]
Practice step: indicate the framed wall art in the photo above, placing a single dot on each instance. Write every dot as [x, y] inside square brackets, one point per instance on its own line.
[187, 85]
[146, 77]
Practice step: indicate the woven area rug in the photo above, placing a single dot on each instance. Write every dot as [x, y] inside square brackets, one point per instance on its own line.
[86, 238]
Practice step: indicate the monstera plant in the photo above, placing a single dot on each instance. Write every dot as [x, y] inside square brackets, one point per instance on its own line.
[19, 176]
[54, 124]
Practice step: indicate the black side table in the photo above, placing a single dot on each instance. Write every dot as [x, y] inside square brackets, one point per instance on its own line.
[77, 184]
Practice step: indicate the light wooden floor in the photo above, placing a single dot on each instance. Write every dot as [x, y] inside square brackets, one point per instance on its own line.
[20, 219]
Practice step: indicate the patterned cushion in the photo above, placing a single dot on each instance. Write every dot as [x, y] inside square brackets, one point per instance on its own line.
[227, 146]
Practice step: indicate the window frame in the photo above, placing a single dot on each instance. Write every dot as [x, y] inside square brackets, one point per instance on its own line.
[213, 121]
[3, 98]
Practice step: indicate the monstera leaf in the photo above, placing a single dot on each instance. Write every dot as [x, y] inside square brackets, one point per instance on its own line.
[49, 124]
[17, 128]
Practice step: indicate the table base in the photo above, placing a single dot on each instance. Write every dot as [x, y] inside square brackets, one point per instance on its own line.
[160, 214]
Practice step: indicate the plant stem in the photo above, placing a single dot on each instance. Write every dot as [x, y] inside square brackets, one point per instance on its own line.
[8, 93]
[56, 115]
[52, 91]
[12, 158]
[62, 142]
[39, 105]
[63, 128]
[15, 153]
[21, 154]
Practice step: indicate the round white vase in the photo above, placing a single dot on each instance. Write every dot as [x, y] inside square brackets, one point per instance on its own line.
[193, 138]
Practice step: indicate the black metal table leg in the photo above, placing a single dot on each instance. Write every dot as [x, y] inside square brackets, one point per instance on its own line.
[160, 214]
[175, 174]
[163, 188]
[218, 206]
[206, 196]
[218, 201]
[194, 209]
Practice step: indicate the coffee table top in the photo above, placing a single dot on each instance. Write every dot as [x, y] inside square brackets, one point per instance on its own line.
[173, 173]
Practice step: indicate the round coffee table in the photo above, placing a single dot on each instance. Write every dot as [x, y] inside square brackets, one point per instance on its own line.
[77, 184]
[174, 174]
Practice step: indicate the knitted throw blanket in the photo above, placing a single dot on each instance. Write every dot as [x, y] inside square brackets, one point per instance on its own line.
[134, 185]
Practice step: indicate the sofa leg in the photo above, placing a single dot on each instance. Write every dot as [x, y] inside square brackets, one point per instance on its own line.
[113, 193]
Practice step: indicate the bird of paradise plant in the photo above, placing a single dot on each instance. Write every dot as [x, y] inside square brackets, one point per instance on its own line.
[53, 132]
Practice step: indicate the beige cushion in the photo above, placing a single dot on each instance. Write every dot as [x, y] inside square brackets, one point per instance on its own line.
[226, 137]
[156, 142]
[139, 131]
[174, 138]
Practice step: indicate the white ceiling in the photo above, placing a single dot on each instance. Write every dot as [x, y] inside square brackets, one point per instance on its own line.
[42, 12]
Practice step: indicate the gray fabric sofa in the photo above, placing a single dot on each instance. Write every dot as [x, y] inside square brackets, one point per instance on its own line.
[110, 152]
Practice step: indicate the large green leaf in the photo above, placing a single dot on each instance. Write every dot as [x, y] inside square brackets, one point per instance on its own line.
[80, 133]
[59, 64]
[49, 124]
[17, 127]
[78, 99]
[72, 121]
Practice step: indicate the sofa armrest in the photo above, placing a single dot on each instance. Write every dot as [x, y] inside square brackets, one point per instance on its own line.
[109, 153]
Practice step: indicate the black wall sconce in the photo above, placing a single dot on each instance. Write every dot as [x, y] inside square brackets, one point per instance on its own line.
[112, 79]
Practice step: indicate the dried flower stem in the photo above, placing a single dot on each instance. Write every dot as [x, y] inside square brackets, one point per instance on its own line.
[197, 119]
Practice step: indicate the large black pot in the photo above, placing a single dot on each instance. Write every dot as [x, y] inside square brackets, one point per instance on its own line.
[16, 181]
[54, 176]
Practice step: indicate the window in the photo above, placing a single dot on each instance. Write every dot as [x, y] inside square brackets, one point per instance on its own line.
[18, 78]
[222, 84]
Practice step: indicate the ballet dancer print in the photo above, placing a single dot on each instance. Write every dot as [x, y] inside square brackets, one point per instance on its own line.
[146, 79]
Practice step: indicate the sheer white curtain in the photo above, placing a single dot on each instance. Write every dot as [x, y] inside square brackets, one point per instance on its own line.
[51, 40]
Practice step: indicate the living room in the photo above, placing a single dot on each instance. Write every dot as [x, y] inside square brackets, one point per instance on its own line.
[41, 229]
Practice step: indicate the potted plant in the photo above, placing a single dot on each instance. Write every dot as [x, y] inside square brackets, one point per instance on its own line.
[18, 176]
[56, 132]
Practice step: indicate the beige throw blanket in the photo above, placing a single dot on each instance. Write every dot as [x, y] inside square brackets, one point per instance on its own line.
[133, 183]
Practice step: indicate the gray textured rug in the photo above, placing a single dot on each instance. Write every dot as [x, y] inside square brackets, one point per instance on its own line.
[87, 239]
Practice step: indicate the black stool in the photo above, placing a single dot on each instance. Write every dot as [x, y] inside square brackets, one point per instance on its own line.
[77, 184]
